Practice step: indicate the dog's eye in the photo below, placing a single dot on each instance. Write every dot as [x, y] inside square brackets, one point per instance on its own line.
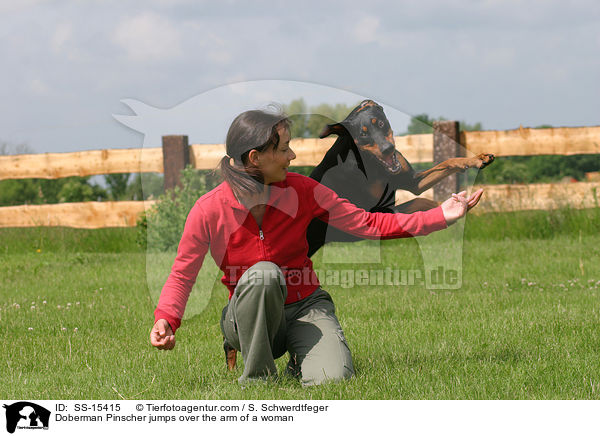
[381, 124]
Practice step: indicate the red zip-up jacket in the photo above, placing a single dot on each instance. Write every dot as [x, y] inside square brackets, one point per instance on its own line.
[219, 222]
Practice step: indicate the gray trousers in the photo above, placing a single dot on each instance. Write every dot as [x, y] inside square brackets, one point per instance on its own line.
[258, 323]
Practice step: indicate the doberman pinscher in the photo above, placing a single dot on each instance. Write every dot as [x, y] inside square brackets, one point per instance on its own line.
[364, 167]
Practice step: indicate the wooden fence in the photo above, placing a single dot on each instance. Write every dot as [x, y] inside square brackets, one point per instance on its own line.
[446, 141]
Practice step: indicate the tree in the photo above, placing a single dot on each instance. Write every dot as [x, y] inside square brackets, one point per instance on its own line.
[145, 186]
[465, 127]
[78, 189]
[14, 192]
[297, 112]
[422, 123]
[309, 122]
[117, 184]
[45, 191]
[17, 191]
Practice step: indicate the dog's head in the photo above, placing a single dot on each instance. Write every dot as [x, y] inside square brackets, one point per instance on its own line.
[371, 131]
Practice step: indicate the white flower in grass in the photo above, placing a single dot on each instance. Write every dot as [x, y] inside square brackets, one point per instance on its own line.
[77, 304]
[30, 328]
[32, 307]
[59, 306]
[64, 329]
[44, 302]
[75, 329]
[68, 304]
[17, 306]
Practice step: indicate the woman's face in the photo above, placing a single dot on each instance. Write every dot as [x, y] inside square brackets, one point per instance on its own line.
[274, 163]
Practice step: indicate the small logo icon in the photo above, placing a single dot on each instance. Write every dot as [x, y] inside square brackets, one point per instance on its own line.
[25, 415]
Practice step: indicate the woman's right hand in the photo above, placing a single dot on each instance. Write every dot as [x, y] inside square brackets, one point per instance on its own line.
[162, 336]
[457, 206]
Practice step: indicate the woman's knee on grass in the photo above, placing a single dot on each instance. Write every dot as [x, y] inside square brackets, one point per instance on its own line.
[315, 374]
[329, 361]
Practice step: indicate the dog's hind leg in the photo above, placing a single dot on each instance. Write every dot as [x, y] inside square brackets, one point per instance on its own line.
[230, 355]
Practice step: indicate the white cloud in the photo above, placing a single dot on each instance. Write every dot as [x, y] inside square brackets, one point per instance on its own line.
[38, 87]
[499, 57]
[149, 37]
[61, 36]
[366, 29]
[217, 51]
[10, 7]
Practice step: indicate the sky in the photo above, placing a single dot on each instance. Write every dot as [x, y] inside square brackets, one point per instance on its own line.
[72, 69]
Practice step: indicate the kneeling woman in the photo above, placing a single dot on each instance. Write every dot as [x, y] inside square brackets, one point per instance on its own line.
[254, 224]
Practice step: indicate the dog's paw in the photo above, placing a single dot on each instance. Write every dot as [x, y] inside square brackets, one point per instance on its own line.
[485, 159]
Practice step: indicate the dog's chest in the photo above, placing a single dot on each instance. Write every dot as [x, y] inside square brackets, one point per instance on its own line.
[376, 189]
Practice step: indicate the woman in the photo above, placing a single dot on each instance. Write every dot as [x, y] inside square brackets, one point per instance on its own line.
[254, 224]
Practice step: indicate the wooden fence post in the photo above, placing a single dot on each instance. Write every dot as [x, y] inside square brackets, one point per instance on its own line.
[446, 145]
[176, 156]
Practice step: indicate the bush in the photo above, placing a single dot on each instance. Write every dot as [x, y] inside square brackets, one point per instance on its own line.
[160, 229]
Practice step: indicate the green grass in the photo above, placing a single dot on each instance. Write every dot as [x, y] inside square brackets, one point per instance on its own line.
[524, 325]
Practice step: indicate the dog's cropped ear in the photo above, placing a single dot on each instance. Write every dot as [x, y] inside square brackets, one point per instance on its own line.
[336, 128]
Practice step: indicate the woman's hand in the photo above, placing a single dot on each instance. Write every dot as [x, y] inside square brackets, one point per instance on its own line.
[162, 336]
[457, 206]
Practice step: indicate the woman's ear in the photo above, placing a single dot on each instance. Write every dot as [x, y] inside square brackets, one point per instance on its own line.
[253, 157]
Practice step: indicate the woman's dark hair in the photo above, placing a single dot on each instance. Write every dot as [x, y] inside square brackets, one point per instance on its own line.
[250, 130]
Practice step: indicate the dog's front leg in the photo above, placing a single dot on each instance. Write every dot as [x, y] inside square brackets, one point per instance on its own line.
[428, 178]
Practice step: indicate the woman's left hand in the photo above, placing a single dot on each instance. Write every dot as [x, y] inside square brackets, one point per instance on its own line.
[457, 206]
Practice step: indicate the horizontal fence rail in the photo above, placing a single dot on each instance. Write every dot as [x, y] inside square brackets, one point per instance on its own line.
[87, 215]
[531, 142]
[81, 163]
[309, 151]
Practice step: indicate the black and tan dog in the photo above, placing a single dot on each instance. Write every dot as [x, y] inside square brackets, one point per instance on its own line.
[364, 167]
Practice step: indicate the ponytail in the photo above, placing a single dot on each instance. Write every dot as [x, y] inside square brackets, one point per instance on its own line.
[243, 181]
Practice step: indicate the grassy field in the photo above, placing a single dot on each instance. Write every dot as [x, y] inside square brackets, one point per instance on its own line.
[75, 313]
